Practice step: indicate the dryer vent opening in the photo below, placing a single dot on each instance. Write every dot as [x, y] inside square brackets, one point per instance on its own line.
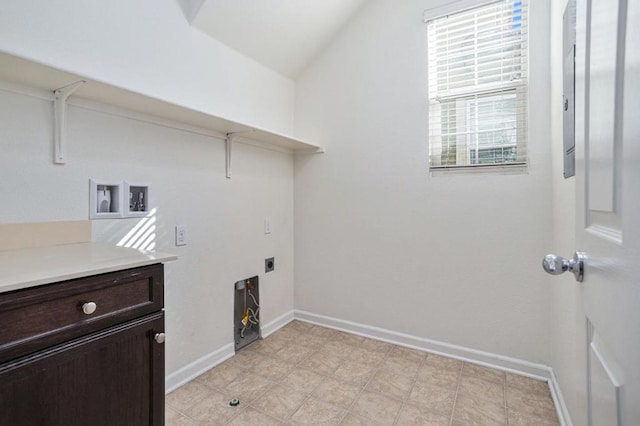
[246, 312]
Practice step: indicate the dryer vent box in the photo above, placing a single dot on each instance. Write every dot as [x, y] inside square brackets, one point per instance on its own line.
[246, 312]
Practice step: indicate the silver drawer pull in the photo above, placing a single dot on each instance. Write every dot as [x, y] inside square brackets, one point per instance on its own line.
[89, 308]
[159, 337]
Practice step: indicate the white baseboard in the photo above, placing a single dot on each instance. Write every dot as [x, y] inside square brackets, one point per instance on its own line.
[276, 324]
[513, 365]
[558, 401]
[487, 359]
[199, 366]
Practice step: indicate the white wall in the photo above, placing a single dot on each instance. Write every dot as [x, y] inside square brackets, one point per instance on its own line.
[566, 326]
[148, 46]
[380, 242]
[224, 217]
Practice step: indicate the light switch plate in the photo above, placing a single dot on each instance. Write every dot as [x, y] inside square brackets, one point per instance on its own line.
[181, 235]
[267, 226]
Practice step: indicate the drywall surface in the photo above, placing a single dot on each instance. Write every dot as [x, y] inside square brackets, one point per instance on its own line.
[224, 218]
[148, 46]
[283, 35]
[567, 326]
[378, 240]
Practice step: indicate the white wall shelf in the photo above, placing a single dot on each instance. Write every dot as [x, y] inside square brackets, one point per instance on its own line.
[22, 72]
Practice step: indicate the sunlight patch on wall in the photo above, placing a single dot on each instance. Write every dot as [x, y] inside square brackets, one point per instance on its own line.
[143, 235]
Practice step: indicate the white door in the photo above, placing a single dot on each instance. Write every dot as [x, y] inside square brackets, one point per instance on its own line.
[608, 205]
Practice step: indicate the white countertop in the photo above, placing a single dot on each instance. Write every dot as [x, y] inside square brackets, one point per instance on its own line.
[43, 265]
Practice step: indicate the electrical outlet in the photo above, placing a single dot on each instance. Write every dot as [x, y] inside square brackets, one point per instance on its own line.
[269, 264]
[267, 226]
[181, 235]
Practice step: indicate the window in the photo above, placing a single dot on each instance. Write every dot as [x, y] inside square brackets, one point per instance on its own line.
[477, 69]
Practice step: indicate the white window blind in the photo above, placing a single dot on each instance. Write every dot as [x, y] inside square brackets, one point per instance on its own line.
[477, 68]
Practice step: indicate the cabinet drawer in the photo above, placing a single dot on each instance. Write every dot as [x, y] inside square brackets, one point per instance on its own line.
[35, 318]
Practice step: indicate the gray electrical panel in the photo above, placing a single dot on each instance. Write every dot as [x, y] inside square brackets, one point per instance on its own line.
[568, 88]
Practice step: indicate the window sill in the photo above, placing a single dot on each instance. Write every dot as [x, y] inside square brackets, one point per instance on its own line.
[503, 169]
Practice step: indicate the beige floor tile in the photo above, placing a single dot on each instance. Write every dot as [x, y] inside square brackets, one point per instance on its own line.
[268, 346]
[402, 366]
[252, 417]
[484, 389]
[377, 407]
[485, 373]
[376, 346]
[174, 418]
[311, 341]
[280, 402]
[187, 396]
[476, 411]
[221, 375]
[390, 384]
[235, 362]
[518, 419]
[316, 412]
[433, 398]
[322, 362]
[531, 405]
[280, 339]
[213, 409]
[338, 348]
[354, 372]
[247, 387]
[294, 354]
[285, 335]
[299, 326]
[434, 376]
[367, 357]
[531, 386]
[354, 420]
[327, 333]
[247, 357]
[340, 394]
[271, 368]
[443, 363]
[413, 415]
[413, 354]
[350, 339]
[303, 380]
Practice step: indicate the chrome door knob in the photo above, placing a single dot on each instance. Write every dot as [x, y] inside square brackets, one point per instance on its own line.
[89, 308]
[159, 337]
[556, 265]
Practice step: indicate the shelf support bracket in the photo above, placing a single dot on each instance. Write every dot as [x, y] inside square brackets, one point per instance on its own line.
[60, 119]
[228, 145]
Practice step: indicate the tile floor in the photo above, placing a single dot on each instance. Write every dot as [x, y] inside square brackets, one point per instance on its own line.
[305, 374]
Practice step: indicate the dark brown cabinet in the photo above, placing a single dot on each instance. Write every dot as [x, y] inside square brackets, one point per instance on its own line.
[60, 365]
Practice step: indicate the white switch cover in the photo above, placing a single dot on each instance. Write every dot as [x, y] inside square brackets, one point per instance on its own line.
[267, 226]
[181, 235]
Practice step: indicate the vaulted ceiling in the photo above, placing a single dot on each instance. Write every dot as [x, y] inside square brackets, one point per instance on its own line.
[284, 35]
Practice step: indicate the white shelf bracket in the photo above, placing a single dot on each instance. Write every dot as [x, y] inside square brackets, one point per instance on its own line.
[228, 144]
[60, 119]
